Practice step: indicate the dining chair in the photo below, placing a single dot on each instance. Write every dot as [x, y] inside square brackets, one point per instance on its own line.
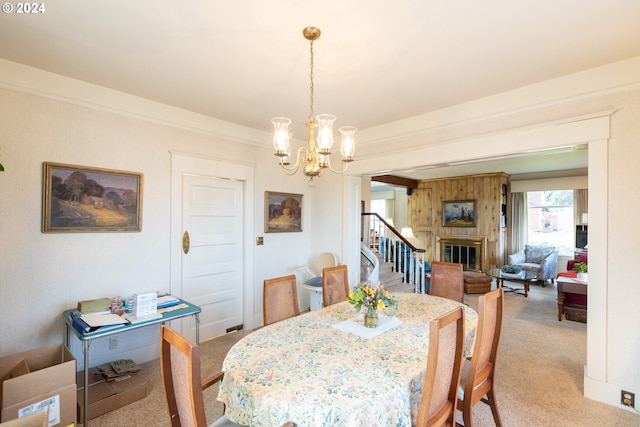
[280, 299]
[447, 280]
[444, 363]
[335, 285]
[477, 378]
[180, 366]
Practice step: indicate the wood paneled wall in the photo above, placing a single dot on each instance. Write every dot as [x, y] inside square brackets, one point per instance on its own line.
[424, 213]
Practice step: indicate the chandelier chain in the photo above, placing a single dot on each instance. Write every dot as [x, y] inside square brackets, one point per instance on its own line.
[311, 81]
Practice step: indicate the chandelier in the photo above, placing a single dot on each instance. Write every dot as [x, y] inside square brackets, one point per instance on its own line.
[316, 156]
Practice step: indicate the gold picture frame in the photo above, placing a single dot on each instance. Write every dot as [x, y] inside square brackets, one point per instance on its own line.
[459, 213]
[88, 199]
[282, 212]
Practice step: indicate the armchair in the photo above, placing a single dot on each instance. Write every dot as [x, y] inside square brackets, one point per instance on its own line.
[538, 259]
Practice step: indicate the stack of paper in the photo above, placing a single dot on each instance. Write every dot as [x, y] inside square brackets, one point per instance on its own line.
[167, 301]
[98, 320]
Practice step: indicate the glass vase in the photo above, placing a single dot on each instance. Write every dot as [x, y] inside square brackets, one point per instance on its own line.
[371, 317]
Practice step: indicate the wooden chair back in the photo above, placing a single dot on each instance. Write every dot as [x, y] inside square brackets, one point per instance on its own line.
[180, 366]
[477, 380]
[447, 280]
[280, 299]
[444, 363]
[335, 285]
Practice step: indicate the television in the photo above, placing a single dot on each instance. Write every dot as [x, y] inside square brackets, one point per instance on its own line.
[581, 236]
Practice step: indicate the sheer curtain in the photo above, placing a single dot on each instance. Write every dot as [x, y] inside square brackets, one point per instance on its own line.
[519, 223]
[580, 204]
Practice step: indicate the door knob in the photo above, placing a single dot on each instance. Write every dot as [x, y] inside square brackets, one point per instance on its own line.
[185, 242]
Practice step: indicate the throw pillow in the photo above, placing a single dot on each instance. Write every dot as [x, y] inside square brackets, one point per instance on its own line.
[536, 254]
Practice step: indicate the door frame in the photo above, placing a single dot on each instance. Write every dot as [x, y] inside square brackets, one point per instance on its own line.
[184, 163]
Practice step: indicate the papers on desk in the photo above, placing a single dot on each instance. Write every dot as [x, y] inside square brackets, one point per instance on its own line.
[79, 322]
[167, 301]
[98, 320]
[355, 326]
[133, 319]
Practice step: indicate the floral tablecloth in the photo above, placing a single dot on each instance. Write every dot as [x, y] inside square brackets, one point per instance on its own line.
[307, 371]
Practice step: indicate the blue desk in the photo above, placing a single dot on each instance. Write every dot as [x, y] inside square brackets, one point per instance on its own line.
[189, 310]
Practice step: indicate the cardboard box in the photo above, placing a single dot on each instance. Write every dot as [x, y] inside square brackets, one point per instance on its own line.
[37, 379]
[38, 419]
[105, 396]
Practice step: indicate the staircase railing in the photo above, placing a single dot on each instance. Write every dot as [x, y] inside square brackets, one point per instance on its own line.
[370, 263]
[384, 239]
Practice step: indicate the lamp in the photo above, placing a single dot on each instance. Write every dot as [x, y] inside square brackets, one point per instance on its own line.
[317, 155]
[585, 218]
[407, 233]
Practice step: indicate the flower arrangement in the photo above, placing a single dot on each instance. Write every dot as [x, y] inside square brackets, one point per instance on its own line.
[371, 298]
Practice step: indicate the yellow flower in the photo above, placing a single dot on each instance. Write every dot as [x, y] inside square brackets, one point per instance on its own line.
[371, 297]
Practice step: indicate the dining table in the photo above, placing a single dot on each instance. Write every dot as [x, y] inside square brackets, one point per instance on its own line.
[324, 368]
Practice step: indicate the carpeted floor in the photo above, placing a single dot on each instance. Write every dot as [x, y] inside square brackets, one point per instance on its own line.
[539, 378]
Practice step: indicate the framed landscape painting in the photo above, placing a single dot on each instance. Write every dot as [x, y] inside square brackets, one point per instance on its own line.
[459, 213]
[87, 199]
[282, 212]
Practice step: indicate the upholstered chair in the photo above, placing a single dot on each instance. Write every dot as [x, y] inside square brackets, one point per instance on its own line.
[444, 362]
[447, 280]
[280, 299]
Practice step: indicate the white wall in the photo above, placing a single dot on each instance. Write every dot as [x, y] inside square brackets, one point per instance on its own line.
[43, 274]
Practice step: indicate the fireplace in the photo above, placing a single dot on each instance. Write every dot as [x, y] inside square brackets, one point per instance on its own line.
[468, 251]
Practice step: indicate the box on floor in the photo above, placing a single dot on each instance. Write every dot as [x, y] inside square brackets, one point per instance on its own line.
[39, 419]
[36, 379]
[105, 396]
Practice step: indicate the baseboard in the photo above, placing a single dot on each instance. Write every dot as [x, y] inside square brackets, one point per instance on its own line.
[606, 392]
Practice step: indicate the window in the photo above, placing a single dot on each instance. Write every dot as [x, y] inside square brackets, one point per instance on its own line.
[379, 207]
[550, 218]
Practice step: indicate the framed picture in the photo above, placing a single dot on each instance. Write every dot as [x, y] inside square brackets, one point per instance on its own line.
[86, 199]
[282, 212]
[459, 213]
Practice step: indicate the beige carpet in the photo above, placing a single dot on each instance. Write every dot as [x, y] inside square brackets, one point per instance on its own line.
[539, 379]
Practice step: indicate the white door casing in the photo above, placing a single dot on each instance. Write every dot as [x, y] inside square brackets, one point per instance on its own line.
[209, 169]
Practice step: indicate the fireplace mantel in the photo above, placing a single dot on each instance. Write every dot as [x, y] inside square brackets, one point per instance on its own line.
[470, 251]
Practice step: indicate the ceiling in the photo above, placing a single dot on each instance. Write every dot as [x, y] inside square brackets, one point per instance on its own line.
[376, 62]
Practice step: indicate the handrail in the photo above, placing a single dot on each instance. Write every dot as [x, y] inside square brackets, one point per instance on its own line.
[394, 231]
[405, 257]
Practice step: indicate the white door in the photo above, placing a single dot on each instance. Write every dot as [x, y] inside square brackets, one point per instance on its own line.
[212, 268]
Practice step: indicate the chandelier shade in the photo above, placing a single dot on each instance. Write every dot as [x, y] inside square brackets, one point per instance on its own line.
[316, 156]
[281, 136]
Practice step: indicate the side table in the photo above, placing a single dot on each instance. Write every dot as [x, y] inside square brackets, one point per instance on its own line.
[568, 285]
